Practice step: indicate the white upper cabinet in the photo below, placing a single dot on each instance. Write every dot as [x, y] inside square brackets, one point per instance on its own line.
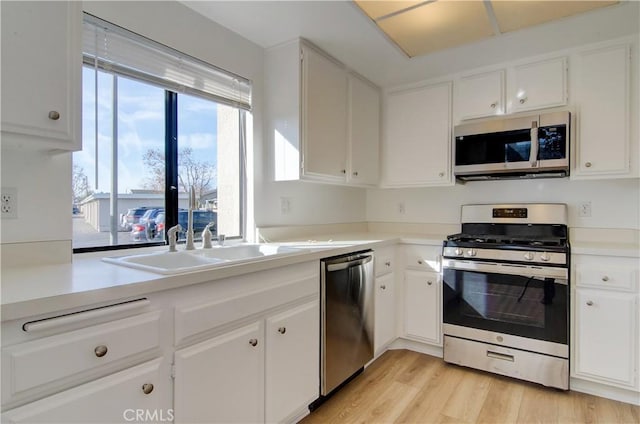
[324, 116]
[322, 121]
[41, 78]
[537, 85]
[416, 146]
[364, 132]
[480, 95]
[602, 103]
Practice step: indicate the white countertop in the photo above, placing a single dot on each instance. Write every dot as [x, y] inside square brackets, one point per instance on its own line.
[36, 290]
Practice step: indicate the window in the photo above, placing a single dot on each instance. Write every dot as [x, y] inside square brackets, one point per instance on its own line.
[155, 124]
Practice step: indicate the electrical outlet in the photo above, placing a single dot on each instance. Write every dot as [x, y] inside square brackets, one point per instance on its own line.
[584, 210]
[285, 205]
[9, 206]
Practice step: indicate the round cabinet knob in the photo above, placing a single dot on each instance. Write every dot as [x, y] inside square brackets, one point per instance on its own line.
[523, 100]
[282, 330]
[387, 264]
[54, 115]
[419, 261]
[344, 171]
[147, 388]
[589, 303]
[500, 338]
[355, 174]
[528, 256]
[383, 287]
[100, 351]
[494, 105]
[429, 283]
[605, 278]
[441, 174]
[545, 257]
[253, 342]
[587, 164]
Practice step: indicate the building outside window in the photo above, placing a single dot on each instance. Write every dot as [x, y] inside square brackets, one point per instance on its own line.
[155, 123]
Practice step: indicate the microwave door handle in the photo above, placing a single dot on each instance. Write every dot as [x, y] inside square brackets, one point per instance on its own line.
[533, 154]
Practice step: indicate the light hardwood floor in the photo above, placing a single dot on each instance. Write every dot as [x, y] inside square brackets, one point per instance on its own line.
[409, 387]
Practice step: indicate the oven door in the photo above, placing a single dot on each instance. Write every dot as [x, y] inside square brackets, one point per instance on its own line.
[531, 302]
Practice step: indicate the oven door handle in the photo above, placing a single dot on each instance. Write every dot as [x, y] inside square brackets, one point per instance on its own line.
[560, 275]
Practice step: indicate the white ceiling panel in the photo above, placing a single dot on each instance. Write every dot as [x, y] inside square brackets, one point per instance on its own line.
[513, 15]
[437, 26]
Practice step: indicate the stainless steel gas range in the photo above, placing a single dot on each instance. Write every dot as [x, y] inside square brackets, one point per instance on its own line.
[506, 292]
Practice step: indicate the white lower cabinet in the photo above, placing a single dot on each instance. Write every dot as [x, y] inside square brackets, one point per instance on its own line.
[140, 391]
[262, 371]
[422, 299]
[606, 338]
[221, 379]
[385, 310]
[606, 317]
[292, 360]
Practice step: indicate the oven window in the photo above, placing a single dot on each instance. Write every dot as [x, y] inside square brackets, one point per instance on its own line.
[510, 304]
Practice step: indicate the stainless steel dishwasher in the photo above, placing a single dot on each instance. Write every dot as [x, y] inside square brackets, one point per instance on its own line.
[346, 324]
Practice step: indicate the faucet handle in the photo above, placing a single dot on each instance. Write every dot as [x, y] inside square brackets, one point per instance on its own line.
[172, 235]
[206, 236]
[221, 238]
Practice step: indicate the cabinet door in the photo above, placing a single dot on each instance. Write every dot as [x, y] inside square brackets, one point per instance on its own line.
[111, 399]
[602, 146]
[385, 312]
[540, 84]
[221, 379]
[480, 95]
[41, 63]
[292, 361]
[417, 137]
[324, 117]
[364, 132]
[422, 306]
[606, 327]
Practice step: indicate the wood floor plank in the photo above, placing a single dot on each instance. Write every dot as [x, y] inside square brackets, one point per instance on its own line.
[467, 401]
[502, 403]
[408, 387]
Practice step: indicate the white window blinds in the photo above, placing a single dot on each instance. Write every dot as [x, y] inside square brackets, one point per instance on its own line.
[117, 50]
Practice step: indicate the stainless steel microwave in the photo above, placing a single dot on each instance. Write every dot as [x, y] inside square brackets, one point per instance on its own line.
[531, 146]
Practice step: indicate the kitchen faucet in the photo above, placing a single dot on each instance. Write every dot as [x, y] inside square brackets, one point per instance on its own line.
[192, 206]
[172, 235]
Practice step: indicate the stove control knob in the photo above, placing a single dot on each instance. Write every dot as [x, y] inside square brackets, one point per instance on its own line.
[545, 257]
[471, 252]
[458, 251]
[528, 256]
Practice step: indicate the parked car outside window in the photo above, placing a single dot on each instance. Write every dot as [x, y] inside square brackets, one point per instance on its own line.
[132, 216]
[200, 221]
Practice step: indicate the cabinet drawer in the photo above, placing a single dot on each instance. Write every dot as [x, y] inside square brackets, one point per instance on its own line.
[614, 273]
[194, 319]
[385, 259]
[111, 399]
[426, 258]
[31, 364]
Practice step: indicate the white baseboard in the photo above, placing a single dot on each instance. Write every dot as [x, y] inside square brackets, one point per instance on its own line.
[427, 349]
[605, 391]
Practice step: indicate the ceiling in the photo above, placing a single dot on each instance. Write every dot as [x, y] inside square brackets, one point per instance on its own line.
[422, 27]
[342, 29]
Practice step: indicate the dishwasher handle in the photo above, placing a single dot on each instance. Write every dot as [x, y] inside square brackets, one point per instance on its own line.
[350, 262]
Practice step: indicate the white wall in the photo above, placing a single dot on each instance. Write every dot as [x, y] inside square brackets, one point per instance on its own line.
[614, 203]
[43, 183]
